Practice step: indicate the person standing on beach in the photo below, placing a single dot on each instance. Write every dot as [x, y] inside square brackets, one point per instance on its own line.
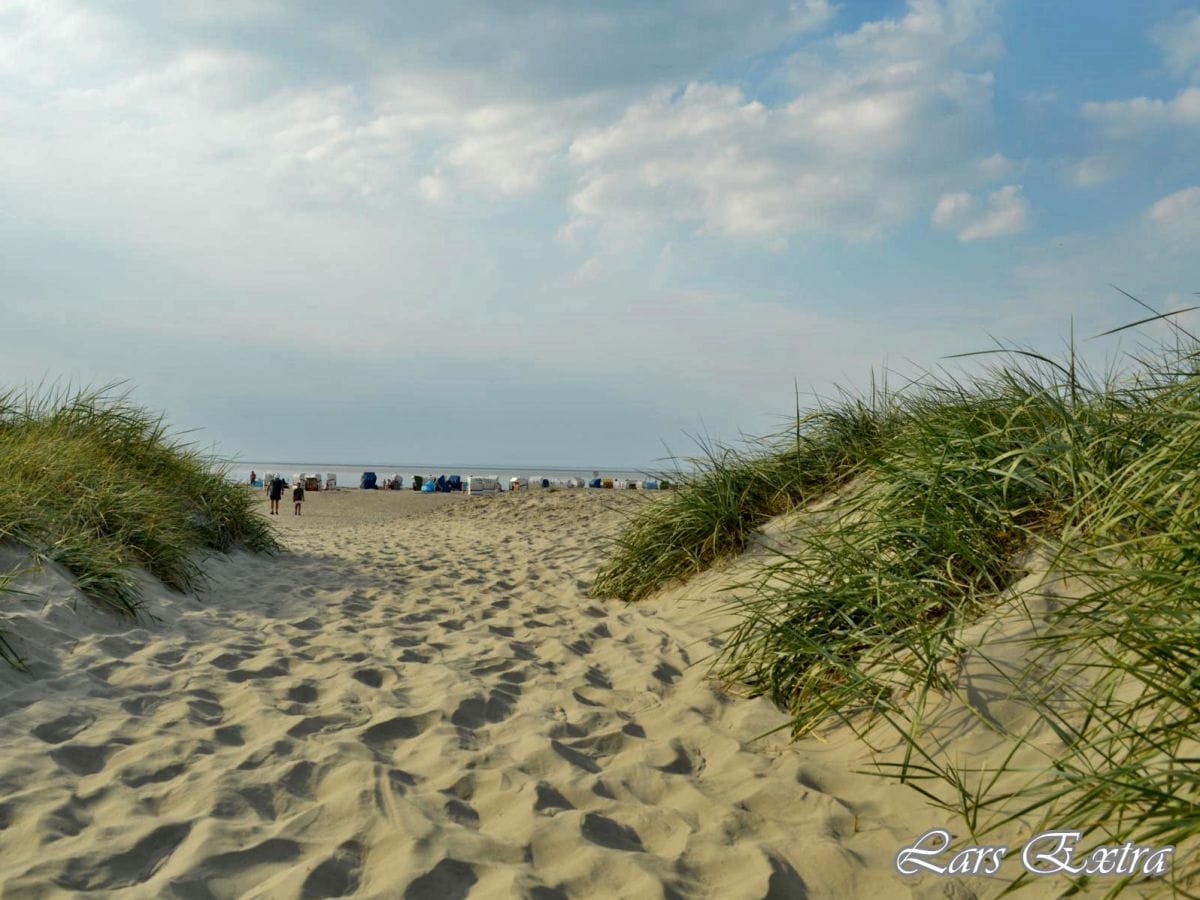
[298, 497]
[276, 494]
[253, 477]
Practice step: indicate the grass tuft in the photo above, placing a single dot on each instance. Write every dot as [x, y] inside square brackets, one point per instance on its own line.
[98, 485]
[956, 484]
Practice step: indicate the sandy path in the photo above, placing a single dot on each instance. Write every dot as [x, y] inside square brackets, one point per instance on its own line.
[416, 702]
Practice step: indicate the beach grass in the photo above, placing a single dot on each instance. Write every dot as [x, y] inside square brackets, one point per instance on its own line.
[102, 487]
[725, 493]
[957, 482]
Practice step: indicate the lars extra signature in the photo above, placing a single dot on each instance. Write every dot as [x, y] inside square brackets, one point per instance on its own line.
[1047, 853]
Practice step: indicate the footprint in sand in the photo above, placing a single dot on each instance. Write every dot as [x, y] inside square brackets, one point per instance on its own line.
[303, 693]
[276, 669]
[475, 712]
[230, 736]
[137, 776]
[462, 813]
[575, 758]
[401, 728]
[605, 832]
[319, 725]
[144, 705]
[229, 661]
[240, 866]
[84, 759]
[596, 678]
[64, 727]
[686, 762]
[667, 673]
[169, 658]
[276, 751]
[336, 876]
[488, 668]
[203, 711]
[369, 677]
[123, 870]
[450, 879]
[550, 799]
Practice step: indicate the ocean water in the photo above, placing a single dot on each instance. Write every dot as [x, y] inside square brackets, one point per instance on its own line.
[348, 475]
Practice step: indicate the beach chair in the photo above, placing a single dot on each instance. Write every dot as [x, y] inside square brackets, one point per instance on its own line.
[483, 485]
[369, 481]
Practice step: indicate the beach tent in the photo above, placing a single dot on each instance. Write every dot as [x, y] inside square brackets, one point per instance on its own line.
[441, 484]
[650, 485]
[454, 483]
[429, 487]
[483, 484]
[595, 483]
[368, 481]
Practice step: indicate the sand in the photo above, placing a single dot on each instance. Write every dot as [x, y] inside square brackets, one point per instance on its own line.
[419, 699]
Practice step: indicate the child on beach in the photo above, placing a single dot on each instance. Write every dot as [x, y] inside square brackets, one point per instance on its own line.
[298, 497]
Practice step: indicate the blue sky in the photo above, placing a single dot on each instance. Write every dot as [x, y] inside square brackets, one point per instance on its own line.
[560, 234]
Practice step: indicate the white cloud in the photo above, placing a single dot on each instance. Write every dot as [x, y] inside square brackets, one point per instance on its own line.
[1130, 119]
[1179, 41]
[897, 111]
[1090, 171]
[590, 271]
[952, 208]
[1180, 209]
[894, 113]
[1186, 315]
[1005, 212]
[996, 167]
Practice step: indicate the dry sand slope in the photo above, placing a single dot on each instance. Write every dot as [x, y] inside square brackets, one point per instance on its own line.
[417, 702]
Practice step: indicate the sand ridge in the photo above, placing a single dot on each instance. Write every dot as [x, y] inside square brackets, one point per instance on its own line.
[418, 700]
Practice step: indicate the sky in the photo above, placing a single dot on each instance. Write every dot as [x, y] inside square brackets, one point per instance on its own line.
[575, 234]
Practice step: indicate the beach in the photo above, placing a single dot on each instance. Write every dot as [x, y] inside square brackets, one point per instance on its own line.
[418, 698]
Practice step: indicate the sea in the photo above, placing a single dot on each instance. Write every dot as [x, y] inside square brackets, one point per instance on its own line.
[349, 475]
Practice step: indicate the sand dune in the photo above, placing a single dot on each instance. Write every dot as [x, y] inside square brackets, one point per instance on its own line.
[419, 700]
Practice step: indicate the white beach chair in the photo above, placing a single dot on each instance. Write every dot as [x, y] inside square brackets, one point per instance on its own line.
[483, 485]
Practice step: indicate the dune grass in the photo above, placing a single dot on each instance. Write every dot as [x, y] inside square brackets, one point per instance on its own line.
[730, 492]
[959, 481]
[100, 486]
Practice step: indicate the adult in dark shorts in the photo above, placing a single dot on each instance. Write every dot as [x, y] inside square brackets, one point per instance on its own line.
[277, 486]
